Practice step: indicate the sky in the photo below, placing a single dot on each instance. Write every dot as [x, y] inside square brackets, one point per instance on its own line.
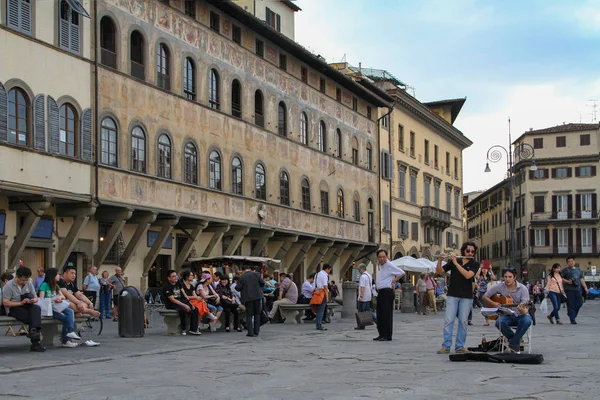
[536, 62]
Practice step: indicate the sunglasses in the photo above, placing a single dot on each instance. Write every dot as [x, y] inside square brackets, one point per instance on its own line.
[469, 251]
[509, 269]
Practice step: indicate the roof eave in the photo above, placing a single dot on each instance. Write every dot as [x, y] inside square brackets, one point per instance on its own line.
[291, 5]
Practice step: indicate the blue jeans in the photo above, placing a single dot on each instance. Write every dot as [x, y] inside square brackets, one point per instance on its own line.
[321, 312]
[366, 306]
[461, 306]
[105, 305]
[214, 309]
[522, 322]
[555, 299]
[574, 303]
[67, 317]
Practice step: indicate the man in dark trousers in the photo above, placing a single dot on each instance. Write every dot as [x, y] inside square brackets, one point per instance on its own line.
[573, 281]
[387, 277]
[250, 285]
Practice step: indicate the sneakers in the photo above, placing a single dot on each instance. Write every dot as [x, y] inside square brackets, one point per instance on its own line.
[38, 348]
[73, 335]
[69, 344]
[211, 316]
[462, 350]
[183, 333]
[91, 343]
[469, 323]
[443, 350]
[558, 322]
[196, 332]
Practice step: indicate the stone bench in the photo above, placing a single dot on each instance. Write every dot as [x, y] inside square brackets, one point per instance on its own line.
[51, 328]
[292, 313]
[171, 319]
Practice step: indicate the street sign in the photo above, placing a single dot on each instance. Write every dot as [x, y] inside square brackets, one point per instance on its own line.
[593, 269]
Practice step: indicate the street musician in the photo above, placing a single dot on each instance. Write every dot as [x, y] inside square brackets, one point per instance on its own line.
[515, 293]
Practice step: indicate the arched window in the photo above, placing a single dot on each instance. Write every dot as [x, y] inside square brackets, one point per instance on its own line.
[321, 139]
[67, 144]
[189, 79]
[305, 194]
[338, 143]
[259, 115]
[340, 203]
[18, 117]
[284, 188]
[237, 176]
[190, 164]
[356, 207]
[138, 150]
[213, 90]
[282, 119]
[354, 151]
[370, 221]
[260, 182]
[236, 98]
[303, 128]
[164, 156]
[214, 170]
[324, 198]
[162, 67]
[109, 142]
[136, 55]
[369, 156]
[108, 44]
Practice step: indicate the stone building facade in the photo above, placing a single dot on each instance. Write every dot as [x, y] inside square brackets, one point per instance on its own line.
[212, 134]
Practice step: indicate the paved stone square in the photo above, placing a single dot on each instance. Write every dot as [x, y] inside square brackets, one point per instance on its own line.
[297, 362]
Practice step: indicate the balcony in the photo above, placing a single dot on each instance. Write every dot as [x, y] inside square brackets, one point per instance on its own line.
[564, 216]
[562, 251]
[435, 216]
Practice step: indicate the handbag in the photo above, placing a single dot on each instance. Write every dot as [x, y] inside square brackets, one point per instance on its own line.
[364, 318]
[46, 306]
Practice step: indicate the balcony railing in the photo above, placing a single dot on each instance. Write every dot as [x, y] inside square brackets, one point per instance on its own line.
[163, 81]
[563, 250]
[564, 215]
[435, 216]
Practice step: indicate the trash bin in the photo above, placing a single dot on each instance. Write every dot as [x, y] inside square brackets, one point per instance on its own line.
[131, 312]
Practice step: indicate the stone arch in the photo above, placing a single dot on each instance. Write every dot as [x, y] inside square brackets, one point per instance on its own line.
[427, 254]
[413, 252]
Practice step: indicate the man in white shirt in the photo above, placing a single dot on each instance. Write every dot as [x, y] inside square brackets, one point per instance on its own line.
[365, 285]
[308, 287]
[388, 275]
[322, 289]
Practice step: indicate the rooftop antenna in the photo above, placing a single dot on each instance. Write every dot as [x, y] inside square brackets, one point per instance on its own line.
[594, 106]
[344, 58]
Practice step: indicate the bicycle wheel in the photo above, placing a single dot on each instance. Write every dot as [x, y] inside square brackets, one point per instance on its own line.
[91, 327]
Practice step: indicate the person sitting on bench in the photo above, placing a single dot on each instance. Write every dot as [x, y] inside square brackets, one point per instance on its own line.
[176, 299]
[520, 295]
[19, 299]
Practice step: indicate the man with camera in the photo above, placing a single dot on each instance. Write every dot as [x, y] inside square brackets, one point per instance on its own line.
[20, 301]
[573, 281]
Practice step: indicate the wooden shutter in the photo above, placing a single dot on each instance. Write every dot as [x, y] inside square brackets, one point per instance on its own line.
[532, 237]
[531, 175]
[555, 240]
[278, 23]
[25, 22]
[570, 205]
[268, 16]
[39, 123]
[14, 15]
[593, 172]
[415, 231]
[63, 33]
[594, 242]
[554, 206]
[578, 241]
[68, 32]
[3, 114]
[53, 126]
[74, 35]
[570, 232]
[569, 172]
[390, 167]
[577, 205]
[86, 135]
[594, 206]
[553, 172]
[547, 237]
[577, 170]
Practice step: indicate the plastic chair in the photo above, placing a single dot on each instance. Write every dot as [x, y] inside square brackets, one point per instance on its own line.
[397, 299]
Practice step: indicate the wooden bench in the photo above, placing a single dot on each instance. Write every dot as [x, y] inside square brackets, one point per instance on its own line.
[171, 319]
[51, 329]
[292, 313]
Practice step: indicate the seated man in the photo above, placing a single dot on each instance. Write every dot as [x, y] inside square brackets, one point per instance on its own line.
[68, 288]
[308, 287]
[288, 293]
[19, 299]
[176, 299]
[440, 291]
[520, 295]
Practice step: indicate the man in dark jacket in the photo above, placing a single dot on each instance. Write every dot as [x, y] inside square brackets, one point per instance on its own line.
[250, 286]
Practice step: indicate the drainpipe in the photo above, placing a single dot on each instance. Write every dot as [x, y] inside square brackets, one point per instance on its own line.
[96, 97]
[390, 109]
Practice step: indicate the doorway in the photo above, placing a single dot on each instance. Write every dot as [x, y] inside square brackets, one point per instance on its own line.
[157, 276]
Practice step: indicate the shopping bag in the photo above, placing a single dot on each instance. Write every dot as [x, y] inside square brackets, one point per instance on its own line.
[544, 306]
[60, 307]
[46, 306]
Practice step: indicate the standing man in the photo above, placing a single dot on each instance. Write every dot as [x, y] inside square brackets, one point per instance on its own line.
[388, 275]
[460, 295]
[288, 293]
[39, 279]
[250, 286]
[308, 287]
[322, 292]
[19, 299]
[91, 283]
[572, 283]
[118, 284]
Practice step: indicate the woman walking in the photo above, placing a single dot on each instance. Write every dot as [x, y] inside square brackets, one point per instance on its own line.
[554, 289]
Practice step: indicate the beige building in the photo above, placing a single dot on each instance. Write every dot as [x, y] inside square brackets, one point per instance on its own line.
[278, 14]
[211, 134]
[555, 207]
[421, 173]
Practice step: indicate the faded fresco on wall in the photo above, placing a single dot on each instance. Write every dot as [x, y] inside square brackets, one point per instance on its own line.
[147, 192]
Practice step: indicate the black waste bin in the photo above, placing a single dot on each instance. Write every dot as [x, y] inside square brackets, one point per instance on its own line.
[131, 312]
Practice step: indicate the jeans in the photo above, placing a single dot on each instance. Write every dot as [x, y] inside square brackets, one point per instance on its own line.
[214, 309]
[555, 299]
[461, 306]
[67, 317]
[105, 305]
[321, 312]
[574, 303]
[522, 322]
[253, 310]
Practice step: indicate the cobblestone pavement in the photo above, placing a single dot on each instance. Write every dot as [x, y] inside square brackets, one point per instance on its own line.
[298, 362]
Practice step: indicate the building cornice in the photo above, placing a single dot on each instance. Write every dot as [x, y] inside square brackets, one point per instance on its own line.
[558, 160]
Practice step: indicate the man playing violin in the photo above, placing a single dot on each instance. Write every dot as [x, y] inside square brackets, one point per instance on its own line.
[519, 295]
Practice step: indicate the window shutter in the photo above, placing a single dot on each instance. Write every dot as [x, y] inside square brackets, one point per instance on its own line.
[278, 23]
[86, 135]
[555, 240]
[53, 126]
[569, 204]
[530, 175]
[547, 237]
[13, 13]
[3, 114]
[578, 205]
[554, 206]
[577, 169]
[594, 242]
[578, 242]
[25, 23]
[569, 172]
[74, 36]
[391, 165]
[268, 16]
[63, 34]
[593, 172]
[553, 172]
[415, 231]
[532, 237]
[594, 205]
[39, 123]
[570, 233]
